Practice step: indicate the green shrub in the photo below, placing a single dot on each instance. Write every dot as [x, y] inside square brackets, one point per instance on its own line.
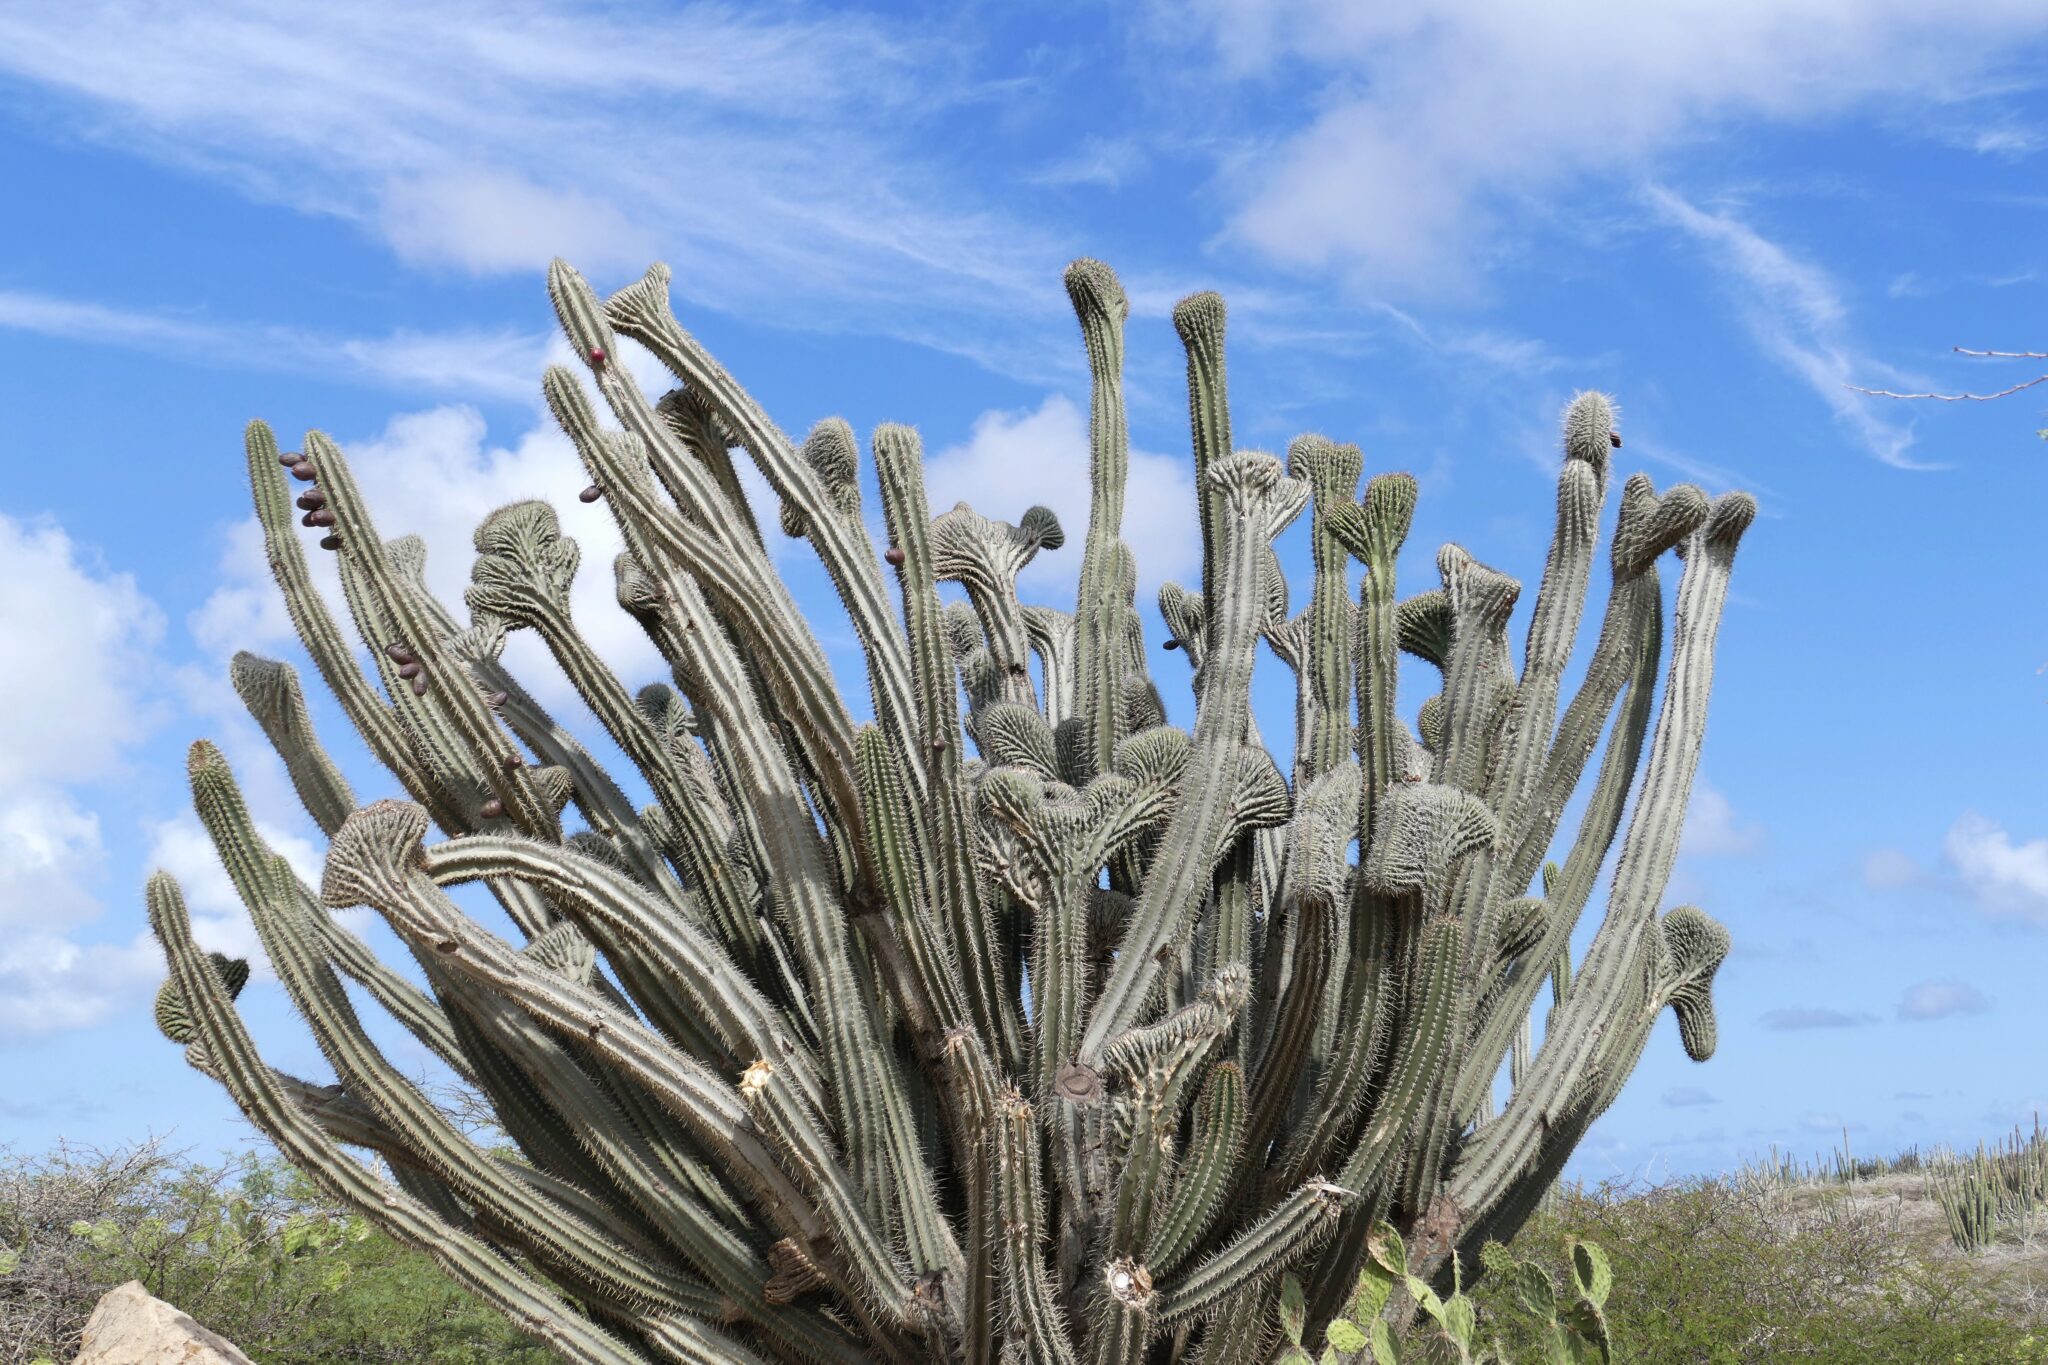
[247, 1248]
[1718, 1272]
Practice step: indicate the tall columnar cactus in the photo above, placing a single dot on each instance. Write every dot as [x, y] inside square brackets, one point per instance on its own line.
[1015, 1024]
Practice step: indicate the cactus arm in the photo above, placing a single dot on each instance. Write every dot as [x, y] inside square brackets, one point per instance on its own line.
[1561, 1067]
[1567, 893]
[1181, 872]
[1200, 321]
[953, 885]
[642, 312]
[1294, 1228]
[1331, 472]
[1316, 892]
[985, 557]
[589, 1252]
[1204, 1179]
[315, 625]
[468, 1260]
[1101, 307]
[270, 691]
[375, 861]
[704, 434]
[612, 908]
[521, 578]
[789, 665]
[1051, 633]
[1010, 1129]
[1560, 603]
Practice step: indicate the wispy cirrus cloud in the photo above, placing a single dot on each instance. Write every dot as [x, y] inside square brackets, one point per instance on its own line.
[496, 364]
[1798, 317]
[1797, 1018]
[1436, 125]
[772, 156]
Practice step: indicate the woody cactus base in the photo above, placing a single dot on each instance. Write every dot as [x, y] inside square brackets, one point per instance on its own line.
[860, 1043]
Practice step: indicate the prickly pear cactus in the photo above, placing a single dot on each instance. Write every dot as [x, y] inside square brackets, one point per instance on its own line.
[987, 1016]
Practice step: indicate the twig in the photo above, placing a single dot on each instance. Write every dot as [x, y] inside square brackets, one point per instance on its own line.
[1967, 397]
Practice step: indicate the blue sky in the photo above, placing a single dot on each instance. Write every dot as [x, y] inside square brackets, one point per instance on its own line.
[1433, 225]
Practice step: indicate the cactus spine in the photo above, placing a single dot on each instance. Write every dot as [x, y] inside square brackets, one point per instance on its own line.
[858, 1044]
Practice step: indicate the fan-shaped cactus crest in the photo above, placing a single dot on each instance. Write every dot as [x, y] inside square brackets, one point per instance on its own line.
[1013, 1023]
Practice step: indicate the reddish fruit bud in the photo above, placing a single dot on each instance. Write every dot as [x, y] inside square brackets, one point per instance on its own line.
[512, 763]
[306, 520]
[290, 458]
[597, 356]
[419, 687]
[1615, 438]
[323, 517]
[410, 670]
[304, 472]
[938, 744]
[497, 699]
[590, 494]
[330, 542]
[1173, 644]
[894, 554]
[398, 653]
[312, 500]
[492, 809]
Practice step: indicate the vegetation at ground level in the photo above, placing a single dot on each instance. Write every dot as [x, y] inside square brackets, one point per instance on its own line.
[247, 1247]
[1778, 1264]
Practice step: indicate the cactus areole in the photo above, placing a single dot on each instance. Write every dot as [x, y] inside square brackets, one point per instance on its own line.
[1015, 1024]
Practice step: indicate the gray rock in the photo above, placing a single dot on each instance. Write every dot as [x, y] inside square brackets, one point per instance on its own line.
[131, 1328]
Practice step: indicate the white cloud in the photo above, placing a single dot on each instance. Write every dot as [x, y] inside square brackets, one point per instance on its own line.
[1888, 869]
[49, 852]
[80, 641]
[1012, 460]
[2006, 878]
[81, 647]
[1714, 830]
[766, 151]
[1437, 120]
[1941, 999]
[475, 363]
[49, 984]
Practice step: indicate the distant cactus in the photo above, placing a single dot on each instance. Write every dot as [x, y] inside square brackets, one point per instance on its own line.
[856, 1044]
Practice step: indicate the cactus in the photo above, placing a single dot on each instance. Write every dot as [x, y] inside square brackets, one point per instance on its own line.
[1571, 1333]
[855, 1043]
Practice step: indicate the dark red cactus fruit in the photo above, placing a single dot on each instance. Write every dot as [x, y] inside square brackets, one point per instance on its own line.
[597, 356]
[512, 763]
[398, 653]
[330, 542]
[894, 554]
[590, 494]
[497, 699]
[290, 458]
[1614, 439]
[312, 500]
[306, 520]
[322, 517]
[419, 687]
[938, 744]
[491, 809]
[411, 670]
[1173, 644]
[304, 472]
